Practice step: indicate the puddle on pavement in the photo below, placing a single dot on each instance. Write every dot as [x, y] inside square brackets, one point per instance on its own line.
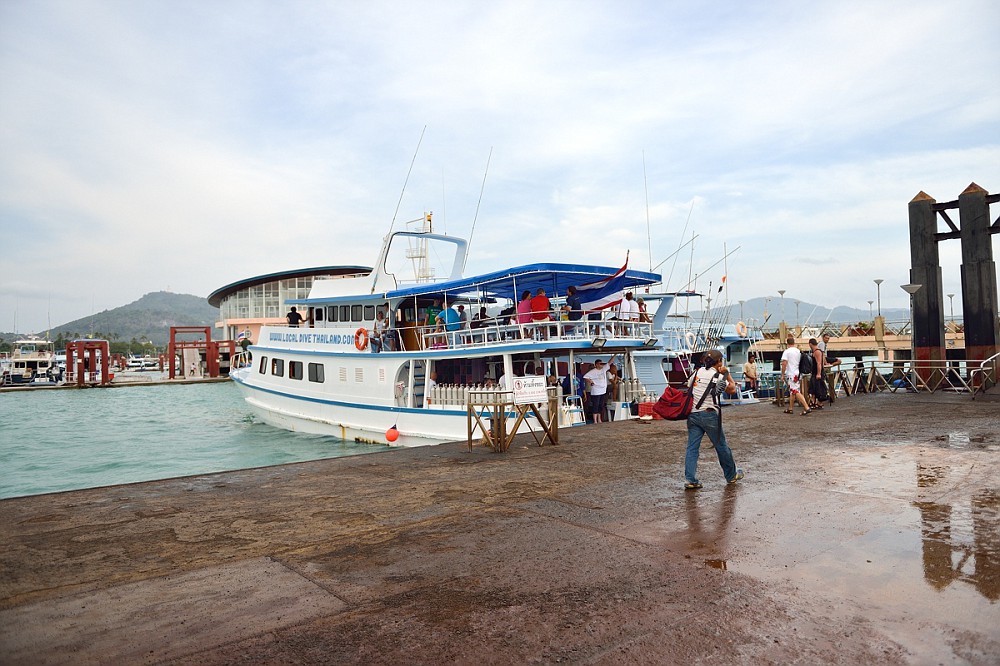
[907, 530]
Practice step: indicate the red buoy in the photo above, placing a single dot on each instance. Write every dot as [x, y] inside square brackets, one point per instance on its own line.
[392, 434]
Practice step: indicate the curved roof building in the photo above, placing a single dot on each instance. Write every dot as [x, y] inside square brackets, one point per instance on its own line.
[253, 302]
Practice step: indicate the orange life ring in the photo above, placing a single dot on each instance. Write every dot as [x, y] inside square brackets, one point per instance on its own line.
[361, 339]
[741, 329]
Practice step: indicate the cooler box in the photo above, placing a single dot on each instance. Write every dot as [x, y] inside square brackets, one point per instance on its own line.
[646, 409]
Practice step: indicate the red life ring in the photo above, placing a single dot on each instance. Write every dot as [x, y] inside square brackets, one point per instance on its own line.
[361, 339]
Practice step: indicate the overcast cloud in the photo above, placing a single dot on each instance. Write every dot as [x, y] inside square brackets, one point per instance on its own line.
[182, 146]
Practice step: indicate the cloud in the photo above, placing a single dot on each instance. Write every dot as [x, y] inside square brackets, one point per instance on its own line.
[190, 145]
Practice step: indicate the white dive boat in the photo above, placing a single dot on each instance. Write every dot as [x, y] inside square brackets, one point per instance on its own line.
[33, 361]
[324, 378]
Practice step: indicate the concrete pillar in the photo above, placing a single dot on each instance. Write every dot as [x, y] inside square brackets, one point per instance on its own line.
[979, 275]
[925, 270]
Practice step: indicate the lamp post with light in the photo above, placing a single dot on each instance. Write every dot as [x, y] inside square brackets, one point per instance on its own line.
[911, 289]
[951, 302]
[783, 326]
[878, 294]
[870, 315]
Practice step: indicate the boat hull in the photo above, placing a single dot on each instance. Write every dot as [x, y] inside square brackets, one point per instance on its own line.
[362, 423]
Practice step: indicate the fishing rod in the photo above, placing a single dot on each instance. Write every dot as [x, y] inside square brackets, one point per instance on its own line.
[482, 188]
[645, 187]
[715, 264]
[407, 180]
[683, 232]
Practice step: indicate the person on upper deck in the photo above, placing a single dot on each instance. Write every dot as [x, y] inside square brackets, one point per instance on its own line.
[463, 317]
[524, 308]
[431, 313]
[481, 320]
[573, 307]
[643, 313]
[449, 319]
[540, 306]
[293, 318]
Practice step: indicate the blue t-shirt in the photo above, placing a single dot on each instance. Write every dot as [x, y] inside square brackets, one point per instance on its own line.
[451, 319]
[575, 310]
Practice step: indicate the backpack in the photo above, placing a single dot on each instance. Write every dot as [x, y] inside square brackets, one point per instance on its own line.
[675, 404]
[807, 364]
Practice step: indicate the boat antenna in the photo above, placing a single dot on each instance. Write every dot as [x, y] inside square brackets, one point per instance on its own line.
[683, 232]
[645, 187]
[409, 171]
[476, 217]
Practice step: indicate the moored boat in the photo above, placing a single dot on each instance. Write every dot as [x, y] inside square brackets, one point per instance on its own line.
[343, 374]
[33, 362]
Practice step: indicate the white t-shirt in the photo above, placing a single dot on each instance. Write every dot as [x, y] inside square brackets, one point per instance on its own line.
[792, 355]
[702, 383]
[599, 377]
[628, 310]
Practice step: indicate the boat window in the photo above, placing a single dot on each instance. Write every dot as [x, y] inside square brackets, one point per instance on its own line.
[319, 314]
[295, 369]
[356, 313]
[263, 364]
[278, 367]
[316, 373]
[331, 313]
[345, 313]
[369, 313]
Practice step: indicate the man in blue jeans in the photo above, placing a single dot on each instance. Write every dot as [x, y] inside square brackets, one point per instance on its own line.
[706, 419]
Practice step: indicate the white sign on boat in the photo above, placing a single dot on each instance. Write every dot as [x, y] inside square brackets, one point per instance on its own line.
[529, 390]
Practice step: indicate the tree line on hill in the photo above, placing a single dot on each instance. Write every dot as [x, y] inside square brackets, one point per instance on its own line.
[141, 327]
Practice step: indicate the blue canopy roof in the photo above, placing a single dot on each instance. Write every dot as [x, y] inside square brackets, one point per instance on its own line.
[510, 282]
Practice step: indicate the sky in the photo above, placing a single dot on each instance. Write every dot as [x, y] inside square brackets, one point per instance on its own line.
[183, 146]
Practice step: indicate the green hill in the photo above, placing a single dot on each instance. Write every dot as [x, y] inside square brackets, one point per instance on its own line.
[146, 320]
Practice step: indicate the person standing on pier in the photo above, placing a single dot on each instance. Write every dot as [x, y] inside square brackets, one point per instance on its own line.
[713, 377]
[790, 369]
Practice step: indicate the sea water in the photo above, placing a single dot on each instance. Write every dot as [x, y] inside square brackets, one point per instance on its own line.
[54, 440]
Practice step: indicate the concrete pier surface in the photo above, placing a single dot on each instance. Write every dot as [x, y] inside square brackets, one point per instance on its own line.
[867, 533]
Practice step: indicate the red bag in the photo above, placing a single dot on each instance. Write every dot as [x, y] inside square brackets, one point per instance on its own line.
[674, 404]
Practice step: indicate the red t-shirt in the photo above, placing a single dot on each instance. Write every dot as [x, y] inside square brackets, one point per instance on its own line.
[540, 308]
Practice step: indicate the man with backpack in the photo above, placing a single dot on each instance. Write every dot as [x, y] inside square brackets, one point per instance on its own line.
[818, 391]
[790, 359]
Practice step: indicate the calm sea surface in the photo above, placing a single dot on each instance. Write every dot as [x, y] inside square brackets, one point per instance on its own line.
[52, 440]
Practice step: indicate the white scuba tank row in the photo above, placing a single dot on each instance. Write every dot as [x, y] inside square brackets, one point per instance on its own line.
[458, 394]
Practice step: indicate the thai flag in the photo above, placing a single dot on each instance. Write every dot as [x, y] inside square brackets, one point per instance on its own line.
[242, 335]
[604, 293]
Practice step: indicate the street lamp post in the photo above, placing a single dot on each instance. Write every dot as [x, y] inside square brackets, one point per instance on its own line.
[741, 311]
[870, 315]
[781, 292]
[878, 294]
[911, 289]
[797, 302]
[951, 302]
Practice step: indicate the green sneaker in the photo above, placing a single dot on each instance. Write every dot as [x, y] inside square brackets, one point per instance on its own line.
[739, 475]
[692, 486]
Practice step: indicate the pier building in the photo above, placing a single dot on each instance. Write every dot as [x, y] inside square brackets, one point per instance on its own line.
[248, 304]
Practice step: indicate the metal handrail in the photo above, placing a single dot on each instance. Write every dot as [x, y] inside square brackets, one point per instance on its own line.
[989, 375]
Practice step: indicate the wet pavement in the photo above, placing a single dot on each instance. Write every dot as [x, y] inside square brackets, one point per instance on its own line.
[868, 532]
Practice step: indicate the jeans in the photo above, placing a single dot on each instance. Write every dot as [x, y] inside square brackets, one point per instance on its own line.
[699, 425]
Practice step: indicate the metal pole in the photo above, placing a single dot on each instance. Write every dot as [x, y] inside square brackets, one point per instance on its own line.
[878, 294]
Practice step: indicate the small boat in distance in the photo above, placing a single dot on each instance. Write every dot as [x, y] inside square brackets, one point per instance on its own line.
[370, 360]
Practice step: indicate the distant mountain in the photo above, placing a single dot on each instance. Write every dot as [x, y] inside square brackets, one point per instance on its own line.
[807, 314]
[148, 318]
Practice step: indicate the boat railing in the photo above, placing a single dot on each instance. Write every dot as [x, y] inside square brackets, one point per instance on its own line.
[541, 331]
